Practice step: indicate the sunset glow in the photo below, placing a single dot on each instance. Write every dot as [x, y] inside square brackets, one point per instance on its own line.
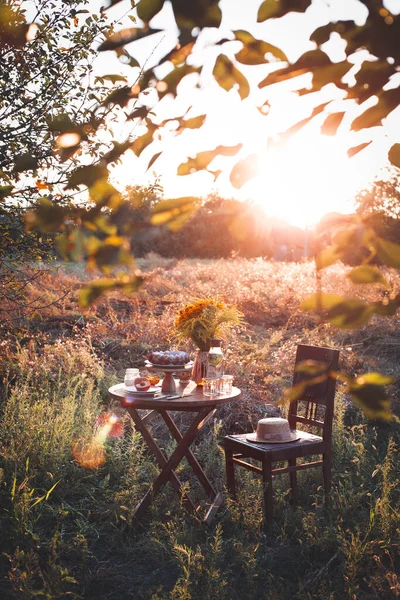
[300, 182]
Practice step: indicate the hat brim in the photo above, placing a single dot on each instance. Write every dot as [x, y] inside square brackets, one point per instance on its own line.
[252, 437]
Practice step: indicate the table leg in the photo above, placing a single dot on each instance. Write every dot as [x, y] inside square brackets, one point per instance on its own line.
[173, 461]
[162, 461]
[197, 469]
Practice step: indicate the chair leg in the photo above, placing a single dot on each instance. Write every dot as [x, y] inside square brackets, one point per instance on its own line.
[268, 492]
[230, 473]
[293, 478]
[327, 472]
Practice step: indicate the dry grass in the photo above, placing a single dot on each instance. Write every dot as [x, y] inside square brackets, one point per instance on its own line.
[77, 540]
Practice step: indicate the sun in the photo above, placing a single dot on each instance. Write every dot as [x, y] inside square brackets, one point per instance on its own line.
[303, 180]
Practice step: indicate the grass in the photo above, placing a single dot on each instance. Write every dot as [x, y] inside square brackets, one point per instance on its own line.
[67, 531]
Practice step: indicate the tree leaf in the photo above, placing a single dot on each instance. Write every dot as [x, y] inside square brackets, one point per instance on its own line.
[388, 252]
[196, 14]
[114, 78]
[25, 162]
[174, 212]
[372, 117]
[228, 76]
[147, 9]
[321, 302]
[144, 140]
[356, 149]
[125, 36]
[394, 155]
[369, 393]
[332, 123]
[203, 159]
[278, 8]
[153, 160]
[5, 190]
[86, 176]
[169, 84]
[326, 257]
[244, 170]
[47, 216]
[366, 274]
[194, 122]
[91, 292]
[254, 51]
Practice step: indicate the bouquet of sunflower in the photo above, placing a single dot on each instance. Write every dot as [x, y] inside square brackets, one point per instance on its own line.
[204, 319]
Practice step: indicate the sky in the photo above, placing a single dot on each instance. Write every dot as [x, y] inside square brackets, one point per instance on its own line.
[299, 180]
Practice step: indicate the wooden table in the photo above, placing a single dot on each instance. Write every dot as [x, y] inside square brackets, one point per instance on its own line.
[203, 408]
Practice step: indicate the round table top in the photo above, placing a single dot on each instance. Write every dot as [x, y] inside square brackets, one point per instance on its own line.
[195, 401]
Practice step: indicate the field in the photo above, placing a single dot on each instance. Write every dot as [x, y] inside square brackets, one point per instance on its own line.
[67, 531]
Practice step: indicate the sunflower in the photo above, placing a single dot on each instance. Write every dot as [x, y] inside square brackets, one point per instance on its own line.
[204, 319]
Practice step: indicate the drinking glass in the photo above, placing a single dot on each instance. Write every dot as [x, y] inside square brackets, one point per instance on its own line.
[210, 387]
[225, 384]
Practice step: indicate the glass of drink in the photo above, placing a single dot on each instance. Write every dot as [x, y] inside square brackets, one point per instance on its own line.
[225, 384]
[210, 387]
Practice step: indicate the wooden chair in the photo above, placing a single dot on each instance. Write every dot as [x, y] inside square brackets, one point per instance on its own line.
[313, 408]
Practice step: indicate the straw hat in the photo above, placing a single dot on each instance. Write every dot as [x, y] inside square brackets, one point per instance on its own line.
[273, 430]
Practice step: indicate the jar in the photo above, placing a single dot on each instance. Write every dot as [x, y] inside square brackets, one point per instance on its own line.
[215, 368]
[130, 376]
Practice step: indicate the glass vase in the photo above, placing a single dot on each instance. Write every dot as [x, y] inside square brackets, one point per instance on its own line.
[200, 366]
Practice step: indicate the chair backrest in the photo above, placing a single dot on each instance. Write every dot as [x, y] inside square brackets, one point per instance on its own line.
[315, 405]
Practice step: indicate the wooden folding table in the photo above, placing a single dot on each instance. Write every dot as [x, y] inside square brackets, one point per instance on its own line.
[203, 408]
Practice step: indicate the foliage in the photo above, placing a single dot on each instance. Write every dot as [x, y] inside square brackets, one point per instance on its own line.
[98, 232]
[382, 196]
[41, 66]
[378, 35]
[204, 319]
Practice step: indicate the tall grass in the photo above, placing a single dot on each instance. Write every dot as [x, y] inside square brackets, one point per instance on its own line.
[68, 532]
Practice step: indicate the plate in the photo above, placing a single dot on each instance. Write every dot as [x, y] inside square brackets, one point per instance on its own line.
[132, 390]
[170, 366]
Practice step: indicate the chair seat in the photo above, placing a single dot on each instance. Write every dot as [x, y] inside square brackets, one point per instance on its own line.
[305, 446]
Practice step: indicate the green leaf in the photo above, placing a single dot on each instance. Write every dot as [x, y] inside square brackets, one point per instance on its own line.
[5, 190]
[228, 76]
[190, 14]
[174, 212]
[105, 255]
[244, 170]
[147, 9]
[254, 51]
[125, 36]
[114, 78]
[47, 216]
[369, 393]
[144, 140]
[372, 117]
[169, 84]
[279, 8]
[388, 252]
[321, 302]
[203, 159]
[86, 176]
[25, 162]
[388, 306]
[394, 155]
[346, 313]
[366, 274]
[89, 293]
[332, 123]
[327, 257]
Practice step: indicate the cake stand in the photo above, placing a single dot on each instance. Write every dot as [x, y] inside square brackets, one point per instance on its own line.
[168, 385]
